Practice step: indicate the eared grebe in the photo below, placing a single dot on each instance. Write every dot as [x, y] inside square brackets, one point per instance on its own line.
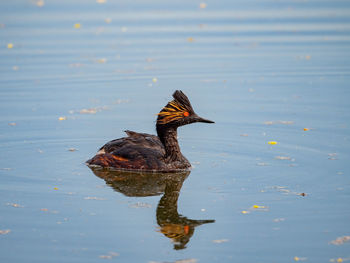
[146, 152]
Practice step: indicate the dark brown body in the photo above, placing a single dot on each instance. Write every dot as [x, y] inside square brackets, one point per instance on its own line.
[146, 152]
[138, 151]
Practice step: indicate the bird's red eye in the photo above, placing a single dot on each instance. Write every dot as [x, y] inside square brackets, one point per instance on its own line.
[186, 114]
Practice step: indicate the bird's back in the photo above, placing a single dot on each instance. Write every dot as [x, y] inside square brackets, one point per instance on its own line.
[137, 151]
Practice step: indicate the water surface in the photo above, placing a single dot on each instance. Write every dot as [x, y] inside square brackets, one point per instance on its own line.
[75, 74]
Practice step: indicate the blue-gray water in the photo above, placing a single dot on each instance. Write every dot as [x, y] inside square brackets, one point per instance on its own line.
[75, 74]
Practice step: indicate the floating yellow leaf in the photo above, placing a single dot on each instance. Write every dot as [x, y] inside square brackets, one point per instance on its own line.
[244, 212]
[339, 260]
[77, 25]
[306, 129]
[9, 45]
[55, 188]
[272, 142]
[62, 118]
[296, 258]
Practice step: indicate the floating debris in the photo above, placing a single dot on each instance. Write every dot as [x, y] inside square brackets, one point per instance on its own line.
[278, 122]
[101, 60]
[340, 240]
[332, 156]
[110, 255]
[140, 205]
[40, 3]
[72, 149]
[244, 135]
[47, 210]
[91, 110]
[55, 188]
[154, 80]
[88, 111]
[306, 129]
[190, 39]
[77, 25]
[14, 205]
[284, 189]
[4, 232]
[339, 260]
[245, 212]
[299, 258]
[94, 198]
[9, 45]
[262, 164]
[277, 220]
[62, 118]
[283, 158]
[259, 207]
[219, 241]
[202, 5]
[272, 142]
[12, 124]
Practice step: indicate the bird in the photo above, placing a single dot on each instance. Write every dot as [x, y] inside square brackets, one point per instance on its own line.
[151, 153]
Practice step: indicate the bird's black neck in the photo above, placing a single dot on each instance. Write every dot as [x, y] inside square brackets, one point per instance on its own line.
[168, 136]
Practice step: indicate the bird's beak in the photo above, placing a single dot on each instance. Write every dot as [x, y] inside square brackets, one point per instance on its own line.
[200, 119]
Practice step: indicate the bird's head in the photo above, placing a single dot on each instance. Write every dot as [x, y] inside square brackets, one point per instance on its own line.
[178, 112]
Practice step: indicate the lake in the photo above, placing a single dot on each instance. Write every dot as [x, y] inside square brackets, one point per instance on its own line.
[270, 179]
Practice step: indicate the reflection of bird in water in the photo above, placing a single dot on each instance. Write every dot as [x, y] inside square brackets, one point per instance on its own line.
[173, 225]
[145, 152]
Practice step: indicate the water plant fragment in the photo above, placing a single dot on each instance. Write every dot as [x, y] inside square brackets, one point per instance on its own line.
[340, 240]
[219, 241]
[4, 232]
